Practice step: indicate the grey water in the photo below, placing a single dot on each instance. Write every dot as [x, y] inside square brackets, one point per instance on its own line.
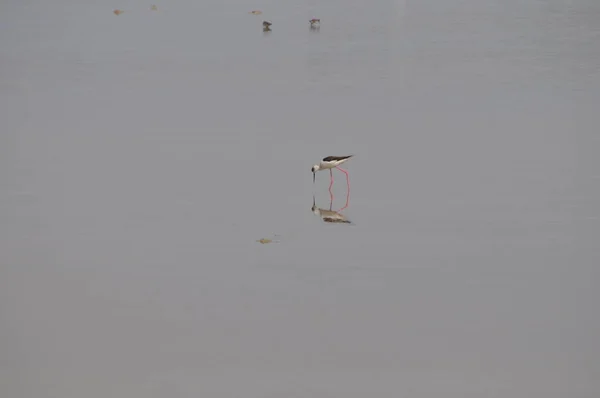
[142, 156]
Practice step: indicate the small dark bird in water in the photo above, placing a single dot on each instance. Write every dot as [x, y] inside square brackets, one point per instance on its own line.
[267, 24]
[315, 22]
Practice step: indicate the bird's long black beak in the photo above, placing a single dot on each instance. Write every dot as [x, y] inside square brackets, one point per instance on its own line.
[314, 174]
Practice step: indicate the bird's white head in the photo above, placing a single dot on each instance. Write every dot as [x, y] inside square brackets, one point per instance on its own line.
[314, 170]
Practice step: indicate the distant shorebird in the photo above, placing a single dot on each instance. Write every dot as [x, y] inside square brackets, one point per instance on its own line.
[267, 24]
[315, 22]
[331, 162]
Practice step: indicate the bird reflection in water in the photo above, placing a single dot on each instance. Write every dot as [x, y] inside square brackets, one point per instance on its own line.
[332, 216]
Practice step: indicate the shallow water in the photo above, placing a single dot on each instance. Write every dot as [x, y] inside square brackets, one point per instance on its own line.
[144, 155]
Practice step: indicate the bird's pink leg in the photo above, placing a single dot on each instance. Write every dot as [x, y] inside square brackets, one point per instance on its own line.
[331, 174]
[347, 200]
[330, 198]
[347, 177]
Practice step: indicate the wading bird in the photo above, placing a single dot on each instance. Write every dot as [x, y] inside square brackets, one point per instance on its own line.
[331, 162]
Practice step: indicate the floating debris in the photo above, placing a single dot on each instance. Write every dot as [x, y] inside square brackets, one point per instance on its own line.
[264, 241]
[255, 12]
[118, 12]
[154, 8]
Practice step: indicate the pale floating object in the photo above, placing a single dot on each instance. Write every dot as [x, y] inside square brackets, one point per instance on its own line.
[264, 241]
[255, 12]
[154, 8]
[118, 12]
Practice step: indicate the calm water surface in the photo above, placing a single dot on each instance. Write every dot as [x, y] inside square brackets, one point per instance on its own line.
[143, 155]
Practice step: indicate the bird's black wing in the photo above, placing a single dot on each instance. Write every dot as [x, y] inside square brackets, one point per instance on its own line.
[336, 158]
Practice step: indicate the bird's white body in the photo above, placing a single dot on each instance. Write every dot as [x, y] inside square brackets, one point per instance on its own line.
[331, 162]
